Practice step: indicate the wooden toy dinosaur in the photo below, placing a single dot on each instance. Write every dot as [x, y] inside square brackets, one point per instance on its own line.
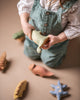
[39, 39]
[19, 36]
[21, 87]
[3, 61]
[59, 92]
[41, 71]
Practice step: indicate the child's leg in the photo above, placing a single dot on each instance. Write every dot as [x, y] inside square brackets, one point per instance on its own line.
[52, 59]
[30, 49]
[54, 56]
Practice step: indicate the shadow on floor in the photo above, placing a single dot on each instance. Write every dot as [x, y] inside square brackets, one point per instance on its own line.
[7, 66]
[72, 58]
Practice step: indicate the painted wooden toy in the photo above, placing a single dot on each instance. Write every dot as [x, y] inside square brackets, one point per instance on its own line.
[21, 87]
[38, 70]
[59, 90]
[19, 36]
[39, 39]
[3, 61]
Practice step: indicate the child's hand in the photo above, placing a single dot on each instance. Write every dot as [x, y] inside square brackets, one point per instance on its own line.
[52, 40]
[27, 28]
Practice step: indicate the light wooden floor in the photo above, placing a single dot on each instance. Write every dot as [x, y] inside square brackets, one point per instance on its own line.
[38, 88]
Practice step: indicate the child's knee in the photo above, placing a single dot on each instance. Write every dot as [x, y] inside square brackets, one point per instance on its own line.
[52, 62]
[31, 53]
[49, 63]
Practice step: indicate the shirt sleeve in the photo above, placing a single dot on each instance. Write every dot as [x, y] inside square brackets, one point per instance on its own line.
[24, 6]
[73, 28]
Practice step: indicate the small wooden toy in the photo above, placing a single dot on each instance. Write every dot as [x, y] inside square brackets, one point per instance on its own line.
[38, 70]
[59, 90]
[21, 87]
[3, 61]
[39, 39]
[19, 36]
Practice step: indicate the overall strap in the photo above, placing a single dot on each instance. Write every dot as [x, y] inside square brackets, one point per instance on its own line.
[36, 1]
[68, 5]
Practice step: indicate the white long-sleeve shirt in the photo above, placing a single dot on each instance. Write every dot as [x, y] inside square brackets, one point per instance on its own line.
[72, 16]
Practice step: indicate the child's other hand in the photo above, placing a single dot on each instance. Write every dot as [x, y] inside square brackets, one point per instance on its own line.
[52, 40]
[27, 28]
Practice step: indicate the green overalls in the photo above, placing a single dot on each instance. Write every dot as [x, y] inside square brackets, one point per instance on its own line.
[47, 22]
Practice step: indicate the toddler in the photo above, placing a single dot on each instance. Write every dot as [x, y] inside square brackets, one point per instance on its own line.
[57, 19]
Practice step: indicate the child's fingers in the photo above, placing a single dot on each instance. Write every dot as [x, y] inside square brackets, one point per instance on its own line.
[45, 46]
[30, 35]
[48, 45]
[32, 27]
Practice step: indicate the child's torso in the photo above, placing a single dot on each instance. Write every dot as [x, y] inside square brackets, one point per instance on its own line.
[48, 21]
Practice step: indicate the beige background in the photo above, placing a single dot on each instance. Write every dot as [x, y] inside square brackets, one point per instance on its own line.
[38, 88]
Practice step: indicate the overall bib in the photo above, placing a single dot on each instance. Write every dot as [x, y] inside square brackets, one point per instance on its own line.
[47, 22]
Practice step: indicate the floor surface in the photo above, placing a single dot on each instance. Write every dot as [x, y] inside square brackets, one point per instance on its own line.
[38, 87]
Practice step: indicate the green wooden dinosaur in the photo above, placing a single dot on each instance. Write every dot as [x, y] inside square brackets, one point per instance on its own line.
[39, 39]
[18, 34]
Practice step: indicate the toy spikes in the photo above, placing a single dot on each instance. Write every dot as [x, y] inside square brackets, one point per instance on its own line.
[59, 90]
[19, 36]
[39, 39]
[3, 61]
[21, 87]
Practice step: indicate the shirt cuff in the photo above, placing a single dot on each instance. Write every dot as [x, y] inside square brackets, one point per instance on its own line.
[23, 7]
[24, 11]
[72, 32]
